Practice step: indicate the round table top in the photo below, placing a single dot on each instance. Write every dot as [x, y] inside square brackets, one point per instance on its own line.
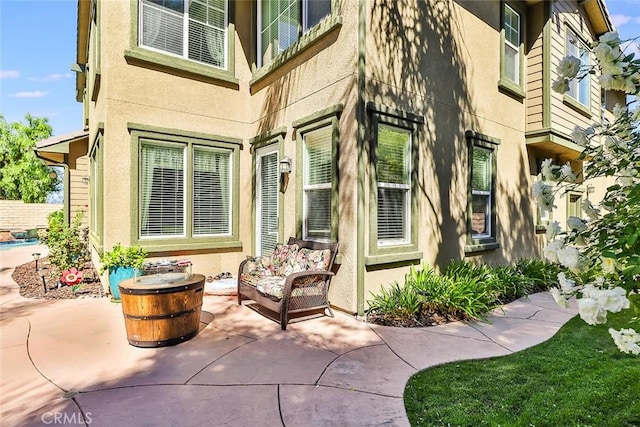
[160, 282]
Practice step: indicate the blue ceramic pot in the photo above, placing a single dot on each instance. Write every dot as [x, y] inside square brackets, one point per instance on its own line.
[117, 275]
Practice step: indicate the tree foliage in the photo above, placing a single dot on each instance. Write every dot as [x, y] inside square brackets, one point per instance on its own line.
[22, 175]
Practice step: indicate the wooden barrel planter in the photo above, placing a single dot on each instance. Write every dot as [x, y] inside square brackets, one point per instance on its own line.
[161, 311]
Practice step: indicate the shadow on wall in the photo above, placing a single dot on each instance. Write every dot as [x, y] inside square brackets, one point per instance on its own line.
[422, 66]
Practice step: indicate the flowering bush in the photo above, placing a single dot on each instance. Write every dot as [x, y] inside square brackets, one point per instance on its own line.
[603, 251]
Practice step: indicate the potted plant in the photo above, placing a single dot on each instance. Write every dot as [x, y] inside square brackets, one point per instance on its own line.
[122, 263]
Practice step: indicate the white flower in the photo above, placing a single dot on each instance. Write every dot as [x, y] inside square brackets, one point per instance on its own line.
[619, 110]
[553, 229]
[569, 67]
[611, 38]
[543, 194]
[588, 208]
[627, 340]
[559, 298]
[581, 136]
[603, 52]
[575, 223]
[613, 300]
[591, 312]
[569, 256]
[590, 291]
[568, 286]
[561, 85]
[567, 173]
[608, 265]
[550, 251]
[547, 170]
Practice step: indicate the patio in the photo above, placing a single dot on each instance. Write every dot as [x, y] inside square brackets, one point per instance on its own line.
[71, 357]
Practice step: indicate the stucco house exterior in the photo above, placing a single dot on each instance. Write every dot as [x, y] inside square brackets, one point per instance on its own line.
[408, 131]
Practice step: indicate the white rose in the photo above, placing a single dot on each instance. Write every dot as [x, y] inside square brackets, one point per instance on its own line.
[613, 300]
[567, 173]
[591, 312]
[591, 212]
[575, 223]
[627, 340]
[550, 251]
[608, 265]
[560, 86]
[547, 170]
[559, 298]
[569, 256]
[569, 67]
[567, 285]
[553, 229]
[612, 38]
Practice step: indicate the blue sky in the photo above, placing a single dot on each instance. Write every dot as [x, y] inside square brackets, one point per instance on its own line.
[37, 48]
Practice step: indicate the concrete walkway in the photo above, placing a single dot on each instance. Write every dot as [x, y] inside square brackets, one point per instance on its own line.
[68, 362]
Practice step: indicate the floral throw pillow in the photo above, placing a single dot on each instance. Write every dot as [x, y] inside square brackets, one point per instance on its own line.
[308, 259]
[280, 259]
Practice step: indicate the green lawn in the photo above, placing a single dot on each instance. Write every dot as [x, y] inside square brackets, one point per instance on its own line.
[577, 378]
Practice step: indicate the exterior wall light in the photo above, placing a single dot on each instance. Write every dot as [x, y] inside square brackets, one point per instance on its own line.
[285, 165]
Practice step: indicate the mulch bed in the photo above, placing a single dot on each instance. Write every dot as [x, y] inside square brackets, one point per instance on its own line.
[31, 286]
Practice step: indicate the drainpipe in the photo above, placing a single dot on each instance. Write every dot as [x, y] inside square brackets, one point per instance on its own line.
[360, 190]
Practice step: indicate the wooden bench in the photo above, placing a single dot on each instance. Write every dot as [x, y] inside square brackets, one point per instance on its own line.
[294, 279]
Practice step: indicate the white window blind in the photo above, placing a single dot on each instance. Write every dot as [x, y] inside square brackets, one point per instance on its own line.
[393, 173]
[317, 184]
[195, 30]
[211, 191]
[269, 202]
[511, 44]
[481, 191]
[162, 190]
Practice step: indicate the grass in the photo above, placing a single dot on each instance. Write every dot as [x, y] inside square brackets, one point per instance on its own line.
[577, 378]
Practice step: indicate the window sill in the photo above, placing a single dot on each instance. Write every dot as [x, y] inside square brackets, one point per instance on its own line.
[579, 107]
[187, 245]
[392, 258]
[512, 89]
[148, 59]
[481, 247]
[96, 86]
[305, 42]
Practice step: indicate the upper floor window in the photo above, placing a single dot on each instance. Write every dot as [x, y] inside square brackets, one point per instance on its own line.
[512, 40]
[195, 29]
[281, 23]
[578, 89]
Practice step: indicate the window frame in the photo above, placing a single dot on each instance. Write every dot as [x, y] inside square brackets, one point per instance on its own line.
[513, 88]
[96, 190]
[143, 134]
[328, 117]
[573, 99]
[400, 251]
[164, 61]
[489, 241]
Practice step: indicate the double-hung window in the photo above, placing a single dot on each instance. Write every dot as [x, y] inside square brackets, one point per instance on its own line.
[318, 173]
[512, 41]
[481, 220]
[579, 89]
[193, 29]
[282, 22]
[393, 176]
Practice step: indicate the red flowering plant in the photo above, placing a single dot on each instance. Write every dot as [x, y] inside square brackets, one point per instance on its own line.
[72, 277]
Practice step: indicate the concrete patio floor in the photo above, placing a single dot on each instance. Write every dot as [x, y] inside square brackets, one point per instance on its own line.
[68, 362]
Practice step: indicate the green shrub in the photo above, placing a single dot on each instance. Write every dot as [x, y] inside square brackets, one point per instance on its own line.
[122, 256]
[539, 275]
[68, 244]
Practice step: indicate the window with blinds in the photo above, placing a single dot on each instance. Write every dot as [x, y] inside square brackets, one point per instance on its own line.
[316, 221]
[211, 191]
[195, 29]
[511, 26]
[166, 179]
[393, 175]
[268, 198]
[481, 191]
[162, 190]
[579, 89]
[281, 23]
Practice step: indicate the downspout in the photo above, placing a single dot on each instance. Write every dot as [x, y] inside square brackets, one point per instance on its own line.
[546, 66]
[361, 136]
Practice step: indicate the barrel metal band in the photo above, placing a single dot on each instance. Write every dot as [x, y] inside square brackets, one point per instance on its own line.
[163, 316]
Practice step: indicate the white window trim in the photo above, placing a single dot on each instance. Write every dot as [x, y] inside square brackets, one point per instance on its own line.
[511, 45]
[581, 47]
